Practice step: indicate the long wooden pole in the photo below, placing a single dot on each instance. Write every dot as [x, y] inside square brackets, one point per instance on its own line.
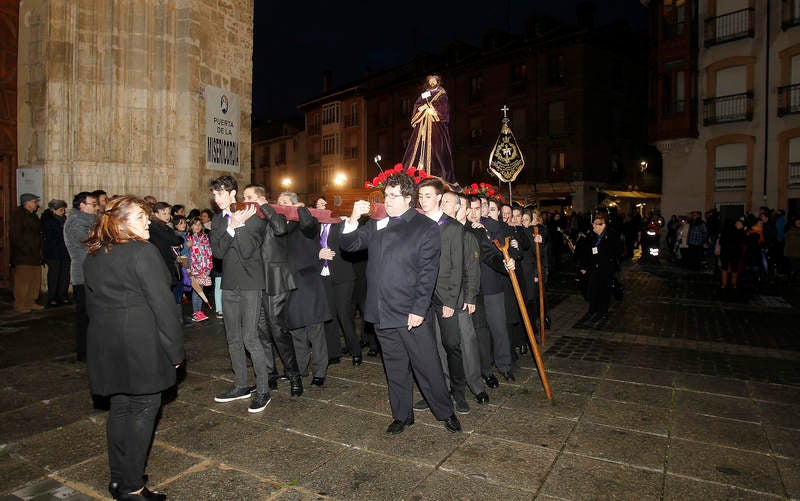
[541, 282]
[521, 302]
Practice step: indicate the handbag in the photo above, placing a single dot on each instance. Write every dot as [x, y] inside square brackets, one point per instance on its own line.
[617, 290]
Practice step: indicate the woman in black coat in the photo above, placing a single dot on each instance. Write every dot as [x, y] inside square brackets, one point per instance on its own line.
[135, 337]
[599, 261]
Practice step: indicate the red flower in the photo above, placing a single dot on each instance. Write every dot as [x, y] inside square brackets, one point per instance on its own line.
[474, 186]
[417, 179]
[398, 167]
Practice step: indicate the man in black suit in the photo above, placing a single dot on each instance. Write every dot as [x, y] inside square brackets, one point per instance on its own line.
[340, 280]
[448, 287]
[307, 309]
[236, 237]
[490, 315]
[272, 325]
[403, 263]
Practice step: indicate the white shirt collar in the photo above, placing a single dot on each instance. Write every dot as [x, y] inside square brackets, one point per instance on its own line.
[435, 215]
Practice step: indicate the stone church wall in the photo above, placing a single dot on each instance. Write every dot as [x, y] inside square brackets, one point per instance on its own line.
[111, 93]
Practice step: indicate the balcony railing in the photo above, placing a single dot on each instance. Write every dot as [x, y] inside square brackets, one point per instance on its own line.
[724, 109]
[730, 178]
[794, 174]
[790, 16]
[730, 27]
[788, 99]
[351, 120]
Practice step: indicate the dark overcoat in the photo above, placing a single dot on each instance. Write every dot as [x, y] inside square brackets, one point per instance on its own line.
[402, 267]
[135, 335]
[308, 303]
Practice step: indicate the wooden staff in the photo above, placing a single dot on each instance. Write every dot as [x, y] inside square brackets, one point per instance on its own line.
[528, 328]
[541, 280]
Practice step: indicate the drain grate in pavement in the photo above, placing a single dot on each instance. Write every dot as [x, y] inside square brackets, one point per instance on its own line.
[677, 359]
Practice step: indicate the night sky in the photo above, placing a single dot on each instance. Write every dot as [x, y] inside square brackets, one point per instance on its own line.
[296, 41]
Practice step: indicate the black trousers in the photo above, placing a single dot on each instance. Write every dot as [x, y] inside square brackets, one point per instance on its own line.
[272, 330]
[451, 341]
[129, 432]
[340, 299]
[81, 321]
[412, 354]
[57, 280]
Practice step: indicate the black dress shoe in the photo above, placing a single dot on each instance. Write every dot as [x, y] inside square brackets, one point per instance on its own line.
[297, 386]
[508, 376]
[547, 321]
[356, 360]
[491, 381]
[113, 489]
[482, 398]
[273, 382]
[317, 381]
[452, 424]
[398, 426]
[146, 494]
[372, 353]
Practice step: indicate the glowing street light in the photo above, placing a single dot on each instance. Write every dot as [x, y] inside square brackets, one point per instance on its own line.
[340, 179]
[286, 182]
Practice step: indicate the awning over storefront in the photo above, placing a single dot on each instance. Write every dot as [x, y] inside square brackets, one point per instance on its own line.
[631, 194]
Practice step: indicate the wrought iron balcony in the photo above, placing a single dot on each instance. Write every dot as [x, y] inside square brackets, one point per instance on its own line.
[788, 99]
[729, 27]
[794, 174]
[730, 178]
[725, 109]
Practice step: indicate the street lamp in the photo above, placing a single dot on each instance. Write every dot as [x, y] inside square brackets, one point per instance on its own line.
[340, 179]
[286, 182]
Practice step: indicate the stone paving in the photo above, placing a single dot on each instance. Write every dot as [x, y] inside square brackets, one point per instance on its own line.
[685, 393]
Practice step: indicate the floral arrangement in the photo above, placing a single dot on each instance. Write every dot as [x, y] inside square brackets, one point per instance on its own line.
[379, 181]
[484, 189]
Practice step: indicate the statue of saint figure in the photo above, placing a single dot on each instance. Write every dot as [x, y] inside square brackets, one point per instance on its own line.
[429, 147]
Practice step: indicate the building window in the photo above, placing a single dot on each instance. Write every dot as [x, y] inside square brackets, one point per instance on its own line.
[331, 144]
[352, 118]
[557, 162]
[729, 88]
[674, 97]
[314, 124]
[331, 113]
[789, 92]
[794, 162]
[730, 167]
[673, 19]
[556, 119]
[790, 15]
[475, 87]
[733, 20]
[555, 70]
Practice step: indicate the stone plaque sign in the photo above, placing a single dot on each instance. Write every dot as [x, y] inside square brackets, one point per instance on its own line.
[222, 129]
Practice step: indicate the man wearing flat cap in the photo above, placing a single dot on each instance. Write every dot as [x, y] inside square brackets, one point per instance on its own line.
[26, 253]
